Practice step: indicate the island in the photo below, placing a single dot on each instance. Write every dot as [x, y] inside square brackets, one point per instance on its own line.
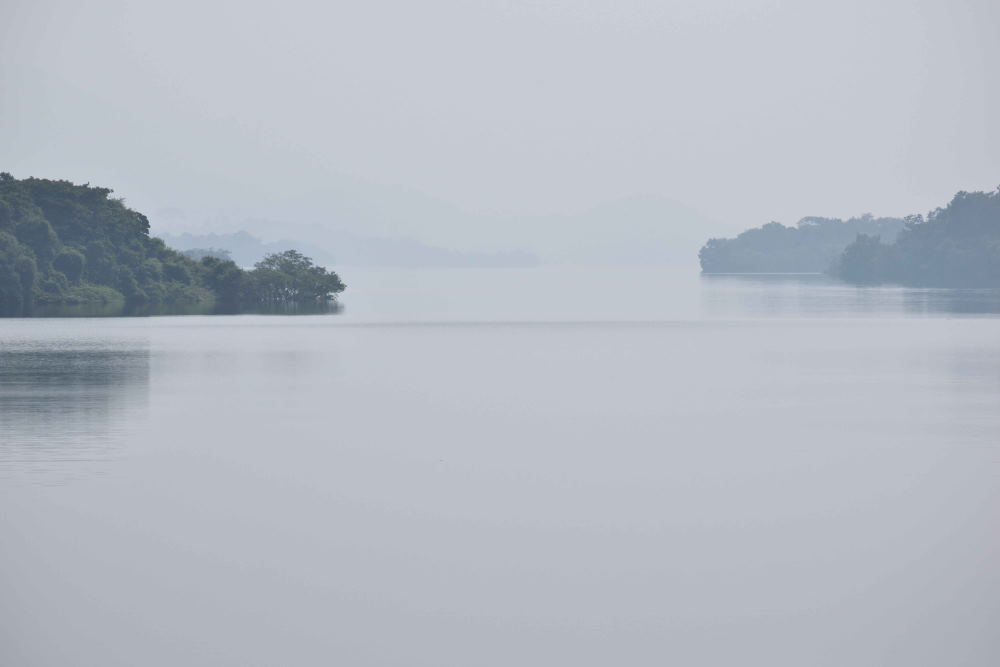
[75, 249]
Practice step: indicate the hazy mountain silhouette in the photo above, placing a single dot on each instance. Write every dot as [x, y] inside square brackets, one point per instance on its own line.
[340, 248]
[641, 230]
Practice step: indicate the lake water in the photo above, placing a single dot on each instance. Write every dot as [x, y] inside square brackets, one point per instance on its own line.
[524, 467]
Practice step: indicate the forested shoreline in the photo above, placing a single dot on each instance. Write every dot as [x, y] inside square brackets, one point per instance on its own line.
[813, 245]
[957, 245]
[75, 248]
[954, 246]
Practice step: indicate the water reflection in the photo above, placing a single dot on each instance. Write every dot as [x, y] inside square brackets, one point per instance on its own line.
[120, 309]
[954, 301]
[64, 402]
[817, 295]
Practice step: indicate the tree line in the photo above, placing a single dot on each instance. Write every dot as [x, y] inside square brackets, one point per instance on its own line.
[957, 245]
[954, 246]
[63, 244]
[813, 245]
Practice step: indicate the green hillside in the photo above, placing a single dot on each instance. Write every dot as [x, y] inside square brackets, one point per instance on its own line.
[65, 246]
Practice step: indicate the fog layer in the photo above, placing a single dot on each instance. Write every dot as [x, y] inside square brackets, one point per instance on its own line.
[483, 125]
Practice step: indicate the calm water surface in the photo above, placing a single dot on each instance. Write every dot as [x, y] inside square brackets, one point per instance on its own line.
[533, 467]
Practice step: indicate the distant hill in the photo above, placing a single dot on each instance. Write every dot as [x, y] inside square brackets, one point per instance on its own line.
[637, 230]
[955, 246]
[814, 245]
[243, 248]
[346, 249]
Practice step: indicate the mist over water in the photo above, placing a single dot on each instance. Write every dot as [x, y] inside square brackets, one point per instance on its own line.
[545, 466]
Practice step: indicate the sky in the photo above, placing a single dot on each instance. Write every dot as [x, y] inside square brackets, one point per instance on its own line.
[491, 124]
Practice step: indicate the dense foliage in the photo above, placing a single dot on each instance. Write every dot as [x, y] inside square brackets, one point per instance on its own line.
[955, 246]
[74, 245]
[291, 277]
[812, 246]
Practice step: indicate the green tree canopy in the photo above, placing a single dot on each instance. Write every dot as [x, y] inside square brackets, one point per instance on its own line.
[67, 244]
[955, 246]
[291, 277]
[812, 246]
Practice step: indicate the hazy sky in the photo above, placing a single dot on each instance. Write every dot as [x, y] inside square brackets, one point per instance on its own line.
[502, 112]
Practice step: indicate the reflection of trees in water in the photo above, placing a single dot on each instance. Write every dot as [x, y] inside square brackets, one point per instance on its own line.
[818, 295]
[306, 308]
[954, 301]
[116, 310]
[64, 405]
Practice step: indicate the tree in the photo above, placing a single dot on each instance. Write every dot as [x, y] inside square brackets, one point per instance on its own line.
[223, 277]
[864, 260]
[17, 277]
[290, 277]
[70, 263]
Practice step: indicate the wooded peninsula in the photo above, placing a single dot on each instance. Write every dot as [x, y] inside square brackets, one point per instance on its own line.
[957, 245]
[75, 249]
